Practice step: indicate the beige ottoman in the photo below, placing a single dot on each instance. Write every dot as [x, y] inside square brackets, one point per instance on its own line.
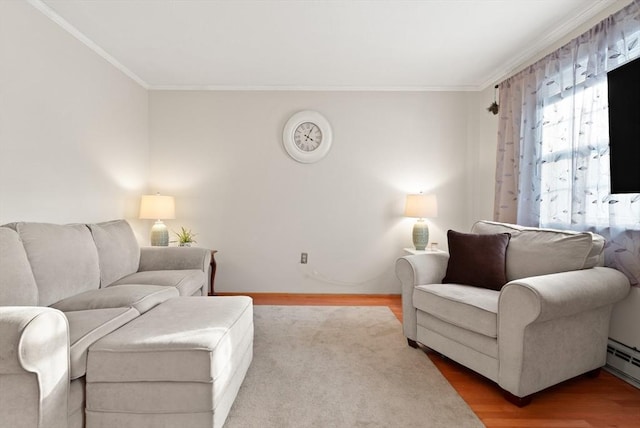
[178, 365]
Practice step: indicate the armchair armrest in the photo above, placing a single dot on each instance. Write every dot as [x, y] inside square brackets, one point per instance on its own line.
[554, 327]
[418, 269]
[34, 366]
[541, 298]
[174, 258]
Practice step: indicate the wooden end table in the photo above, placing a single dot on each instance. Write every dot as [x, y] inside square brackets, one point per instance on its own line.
[213, 271]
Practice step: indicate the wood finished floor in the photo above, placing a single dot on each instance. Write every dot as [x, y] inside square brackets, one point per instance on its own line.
[578, 403]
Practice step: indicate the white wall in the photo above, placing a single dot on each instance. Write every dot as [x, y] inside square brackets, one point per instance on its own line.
[73, 129]
[482, 140]
[221, 155]
[625, 319]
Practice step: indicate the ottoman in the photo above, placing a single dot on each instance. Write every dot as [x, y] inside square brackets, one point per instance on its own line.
[178, 365]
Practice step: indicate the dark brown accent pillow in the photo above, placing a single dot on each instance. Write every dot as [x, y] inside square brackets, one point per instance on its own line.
[478, 260]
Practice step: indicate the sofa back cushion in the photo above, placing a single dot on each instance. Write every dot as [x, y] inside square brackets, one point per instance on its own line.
[17, 285]
[63, 259]
[535, 251]
[118, 250]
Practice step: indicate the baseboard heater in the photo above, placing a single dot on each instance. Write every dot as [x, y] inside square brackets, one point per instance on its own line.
[623, 362]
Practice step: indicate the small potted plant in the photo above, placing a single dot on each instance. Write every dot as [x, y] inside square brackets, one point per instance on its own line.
[185, 237]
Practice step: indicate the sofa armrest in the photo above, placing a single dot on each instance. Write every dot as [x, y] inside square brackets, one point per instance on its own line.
[418, 269]
[554, 327]
[34, 366]
[174, 258]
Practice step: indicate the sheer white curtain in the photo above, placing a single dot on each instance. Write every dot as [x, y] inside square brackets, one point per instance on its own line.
[553, 143]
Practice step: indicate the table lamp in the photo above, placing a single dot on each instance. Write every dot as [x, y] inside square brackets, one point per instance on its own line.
[421, 206]
[158, 207]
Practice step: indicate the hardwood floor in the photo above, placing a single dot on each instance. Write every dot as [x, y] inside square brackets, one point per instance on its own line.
[578, 403]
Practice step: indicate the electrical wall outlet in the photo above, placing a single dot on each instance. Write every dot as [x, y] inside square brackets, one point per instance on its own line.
[303, 258]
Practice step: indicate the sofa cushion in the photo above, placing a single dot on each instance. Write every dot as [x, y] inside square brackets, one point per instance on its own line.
[468, 307]
[118, 250]
[140, 297]
[87, 327]
[63, 259]
[17, 285]
[535, 251]
[477, 260]
[187, 281]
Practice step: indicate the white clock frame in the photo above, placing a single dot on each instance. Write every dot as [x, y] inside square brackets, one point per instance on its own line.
[288, 140]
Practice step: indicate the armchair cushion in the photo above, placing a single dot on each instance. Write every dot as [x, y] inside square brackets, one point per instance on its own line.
[471, 308]
[528, 253]
[477, 260]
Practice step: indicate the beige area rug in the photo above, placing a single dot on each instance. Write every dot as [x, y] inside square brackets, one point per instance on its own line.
[341, 366]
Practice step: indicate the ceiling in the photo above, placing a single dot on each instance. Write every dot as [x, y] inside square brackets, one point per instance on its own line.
[319, 45]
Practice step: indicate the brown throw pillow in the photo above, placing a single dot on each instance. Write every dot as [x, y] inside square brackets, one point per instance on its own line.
[478, 260]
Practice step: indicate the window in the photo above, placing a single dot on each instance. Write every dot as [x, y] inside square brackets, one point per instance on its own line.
[575, 156]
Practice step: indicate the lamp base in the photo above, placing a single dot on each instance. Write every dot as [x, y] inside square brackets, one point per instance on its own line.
[159, 234]
[420, 235]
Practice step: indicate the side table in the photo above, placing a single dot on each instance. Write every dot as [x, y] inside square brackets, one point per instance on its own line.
[213, 272]
[410, 251]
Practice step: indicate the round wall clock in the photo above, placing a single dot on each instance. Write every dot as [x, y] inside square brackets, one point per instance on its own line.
[307, 136]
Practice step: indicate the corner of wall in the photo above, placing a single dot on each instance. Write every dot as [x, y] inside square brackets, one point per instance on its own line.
[481, 155]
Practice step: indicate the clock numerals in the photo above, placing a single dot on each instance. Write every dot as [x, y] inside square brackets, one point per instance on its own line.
[307, 137]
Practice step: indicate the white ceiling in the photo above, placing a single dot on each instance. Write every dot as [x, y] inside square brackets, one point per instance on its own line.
[324, 45]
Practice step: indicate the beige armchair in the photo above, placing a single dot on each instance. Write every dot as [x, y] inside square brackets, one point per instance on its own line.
[548, 323]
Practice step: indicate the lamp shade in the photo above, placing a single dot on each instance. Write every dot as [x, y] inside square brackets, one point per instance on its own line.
[421, 206]
[157, 207]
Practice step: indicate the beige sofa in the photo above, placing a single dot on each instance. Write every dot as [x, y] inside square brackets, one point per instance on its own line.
[548, 323]
[82, 305]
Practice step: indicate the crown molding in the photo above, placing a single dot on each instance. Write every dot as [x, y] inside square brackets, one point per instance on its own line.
[64, 24]
[542, 44]
[51, 14]
[345, 88]
[526, 57]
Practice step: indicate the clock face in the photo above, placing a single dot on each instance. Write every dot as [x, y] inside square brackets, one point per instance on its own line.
[307, 136]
